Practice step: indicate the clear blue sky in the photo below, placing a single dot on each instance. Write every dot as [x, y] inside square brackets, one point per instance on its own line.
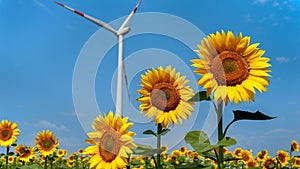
[40, 43]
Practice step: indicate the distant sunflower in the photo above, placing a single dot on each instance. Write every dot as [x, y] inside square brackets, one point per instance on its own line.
[112, 142]
[246, 156]
[260, 156]
[251, 163]
[269, 163]
[165, 96]
[46, 142]
[295, 162]
[237, 153]
[283, 157]
[8, 133]
[231, 68]
[60, 153]
[294, 146]
[11, 159]
[25, 153]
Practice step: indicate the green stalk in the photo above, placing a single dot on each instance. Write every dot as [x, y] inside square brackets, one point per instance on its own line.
[159, 129]
[45, 165]
[51, 163]
[6, 157]
[220, 133]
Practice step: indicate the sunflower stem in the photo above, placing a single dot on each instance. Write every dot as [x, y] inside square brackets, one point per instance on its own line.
[159, 130]
[220, 133]
[6, 157]
[45, 165]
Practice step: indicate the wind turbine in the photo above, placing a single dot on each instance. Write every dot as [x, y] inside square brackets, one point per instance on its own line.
[124, 29]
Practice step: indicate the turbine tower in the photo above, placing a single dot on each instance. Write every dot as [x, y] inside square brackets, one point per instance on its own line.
[124, 29]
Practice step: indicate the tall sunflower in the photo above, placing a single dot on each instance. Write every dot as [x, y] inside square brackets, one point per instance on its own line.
[269, 163]
[8, 133]
[231, 68]
[25, 153]
[294, 146]
[112, 142]
[283, 157]
[46, 142]
[165, 96]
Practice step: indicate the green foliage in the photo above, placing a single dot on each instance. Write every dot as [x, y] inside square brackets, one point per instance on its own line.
[200, 96]
[201, 144]
[145, 150]
[245, 115]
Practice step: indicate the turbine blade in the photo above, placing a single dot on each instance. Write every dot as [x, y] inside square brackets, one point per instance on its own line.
[128, 19]
[94, 20]
[126, 81]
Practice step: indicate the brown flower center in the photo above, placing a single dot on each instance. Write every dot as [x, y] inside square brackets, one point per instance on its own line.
[235, 69]
[281, 158]
[270, 164]
[24, 152]
[47, 144]
[109, 146]
[165, 97]
[6, 134]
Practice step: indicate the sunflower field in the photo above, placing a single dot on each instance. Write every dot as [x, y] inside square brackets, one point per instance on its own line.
[231, 69]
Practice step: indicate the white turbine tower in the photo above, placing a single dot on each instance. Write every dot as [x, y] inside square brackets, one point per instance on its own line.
[124, 29]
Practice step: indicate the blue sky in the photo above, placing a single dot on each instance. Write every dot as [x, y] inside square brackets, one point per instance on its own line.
[40, 46]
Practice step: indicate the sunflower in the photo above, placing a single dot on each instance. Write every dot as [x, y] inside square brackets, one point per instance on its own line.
[283, 157]
[231, 68]
[25, 153]
[252, 163]
[80, 151]
[294, 146]
[60, 153]
[70, 163]
[295, 162]
[11, 159]
[182, 149]
[165, 96]
[8, 133]
[237, 153]
[46, 142]
[246, 156]
[112, 142]
[269, 163]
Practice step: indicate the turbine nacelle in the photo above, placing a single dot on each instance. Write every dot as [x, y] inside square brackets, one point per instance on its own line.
[123, 31]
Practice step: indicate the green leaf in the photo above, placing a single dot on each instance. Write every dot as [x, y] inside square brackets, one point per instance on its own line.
[11, 153]
[200, 96]
[146, 150]
[226, 142]
[197, 139]
[164, 132]
[245, 115]
[200, 142]
[149, 132]
[209, 155]
[229, 157]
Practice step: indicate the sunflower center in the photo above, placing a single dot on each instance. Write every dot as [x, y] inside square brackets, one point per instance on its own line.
[270, 164]
[6, 134]
[281, 157]
[24, 152]
[165, 97]
[109, 146]
[235, 68]
[47, 144]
